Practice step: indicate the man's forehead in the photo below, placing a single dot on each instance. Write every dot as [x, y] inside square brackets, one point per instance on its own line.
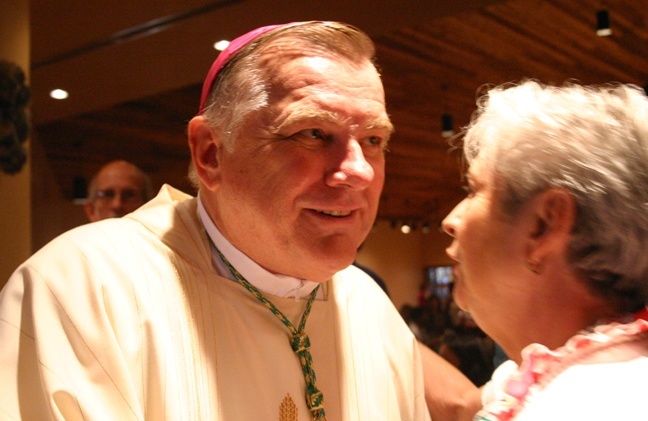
[116, 177]
[325, 78]
[324, 88]
[285, 53]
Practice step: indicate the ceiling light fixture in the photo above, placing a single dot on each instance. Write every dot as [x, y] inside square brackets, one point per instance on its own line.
[406, 228]
[221, 45]
[603, 23]
[59, 94]
[425, 229]
[446, 125]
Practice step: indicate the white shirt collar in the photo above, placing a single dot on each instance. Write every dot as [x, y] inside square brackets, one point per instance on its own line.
[264, 281]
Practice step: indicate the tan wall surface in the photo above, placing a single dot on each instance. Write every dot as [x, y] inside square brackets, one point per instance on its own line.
[400, 259]
[52, 214]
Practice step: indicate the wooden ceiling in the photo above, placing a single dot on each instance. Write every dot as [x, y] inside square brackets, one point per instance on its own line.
[134, 75]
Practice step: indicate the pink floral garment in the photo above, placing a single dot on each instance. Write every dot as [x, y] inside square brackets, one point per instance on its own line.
[541, 365]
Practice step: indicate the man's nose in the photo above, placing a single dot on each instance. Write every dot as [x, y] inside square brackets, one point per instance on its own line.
[352, 169]
[117, 202]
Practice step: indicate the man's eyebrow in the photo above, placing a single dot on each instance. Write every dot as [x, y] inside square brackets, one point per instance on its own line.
[332, 117]
[302, 115]
[382, 124]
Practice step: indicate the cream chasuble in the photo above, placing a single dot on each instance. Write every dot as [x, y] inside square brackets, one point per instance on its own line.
[135, 324]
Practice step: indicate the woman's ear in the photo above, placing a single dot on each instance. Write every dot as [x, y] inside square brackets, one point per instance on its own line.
[204, 144]
[554, 213]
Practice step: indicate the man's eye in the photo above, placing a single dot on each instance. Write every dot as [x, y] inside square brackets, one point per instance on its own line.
[312, 133]
[376, 142]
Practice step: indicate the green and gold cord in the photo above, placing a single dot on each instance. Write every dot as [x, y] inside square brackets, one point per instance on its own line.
[299, 341]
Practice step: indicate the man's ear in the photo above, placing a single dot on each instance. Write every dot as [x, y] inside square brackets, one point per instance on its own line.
[88, 207]
[204, 145]
[554, 214]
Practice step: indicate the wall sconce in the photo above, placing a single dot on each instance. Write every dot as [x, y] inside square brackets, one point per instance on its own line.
[603, 23]
[446, 125]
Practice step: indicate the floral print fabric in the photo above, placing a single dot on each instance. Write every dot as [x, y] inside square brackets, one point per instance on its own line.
[540, 366]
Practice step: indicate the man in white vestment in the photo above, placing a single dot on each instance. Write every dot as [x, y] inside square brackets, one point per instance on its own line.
[240, 303]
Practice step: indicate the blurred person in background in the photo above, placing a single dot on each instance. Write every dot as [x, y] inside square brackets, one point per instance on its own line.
[117, 189]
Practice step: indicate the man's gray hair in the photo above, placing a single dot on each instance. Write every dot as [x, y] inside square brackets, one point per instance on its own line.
[240, 87]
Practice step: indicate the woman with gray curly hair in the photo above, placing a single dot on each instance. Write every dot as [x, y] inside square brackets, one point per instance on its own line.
[551, 248]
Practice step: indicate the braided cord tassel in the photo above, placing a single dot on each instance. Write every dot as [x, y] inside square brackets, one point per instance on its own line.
[314, 398]
[300, 342]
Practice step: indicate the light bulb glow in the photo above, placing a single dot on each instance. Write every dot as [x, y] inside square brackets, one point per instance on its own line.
[221, 45]
[59, 94]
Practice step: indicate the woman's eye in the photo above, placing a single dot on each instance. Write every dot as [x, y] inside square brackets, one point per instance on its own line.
[469, 191]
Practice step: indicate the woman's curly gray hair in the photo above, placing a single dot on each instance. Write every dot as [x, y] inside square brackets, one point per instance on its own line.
[590, 140]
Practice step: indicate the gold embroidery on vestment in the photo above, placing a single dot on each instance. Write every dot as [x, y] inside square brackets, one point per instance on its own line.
[288, 409]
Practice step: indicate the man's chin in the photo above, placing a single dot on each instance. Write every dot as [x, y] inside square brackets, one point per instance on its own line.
[329, 265]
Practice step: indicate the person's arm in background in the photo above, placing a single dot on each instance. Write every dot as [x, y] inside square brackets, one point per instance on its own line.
[449, 395]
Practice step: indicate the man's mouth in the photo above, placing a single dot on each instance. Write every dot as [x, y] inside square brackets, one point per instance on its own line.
[334, 213]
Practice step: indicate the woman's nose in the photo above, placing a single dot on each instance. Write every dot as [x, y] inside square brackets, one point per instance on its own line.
[449, 223]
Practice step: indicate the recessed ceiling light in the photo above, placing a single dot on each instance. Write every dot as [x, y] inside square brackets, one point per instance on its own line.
[221, 45]
[59, 94]
[603, 28]
[406, 228]
[446, 125]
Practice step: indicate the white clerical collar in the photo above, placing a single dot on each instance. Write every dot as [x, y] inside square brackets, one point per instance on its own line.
[264, 281]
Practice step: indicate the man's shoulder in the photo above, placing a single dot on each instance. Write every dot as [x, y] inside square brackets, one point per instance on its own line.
[107, 237]
[167, 196]
[358, 287]
[116, 236]
[353, 277]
